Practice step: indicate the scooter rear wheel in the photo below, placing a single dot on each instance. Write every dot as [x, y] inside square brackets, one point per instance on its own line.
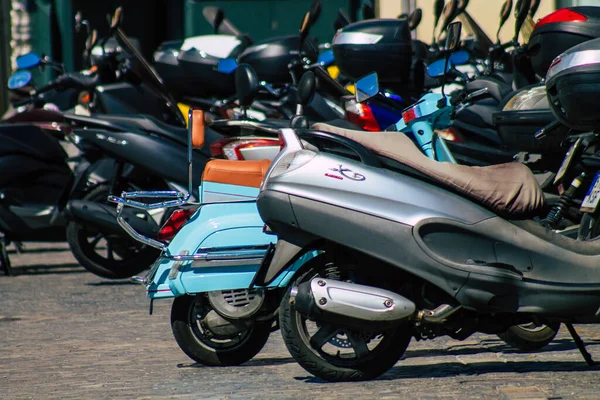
[530, 337]
[333, 352]
[206, 347]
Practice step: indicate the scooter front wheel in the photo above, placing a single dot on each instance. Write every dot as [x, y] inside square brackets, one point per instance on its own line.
[194, 336]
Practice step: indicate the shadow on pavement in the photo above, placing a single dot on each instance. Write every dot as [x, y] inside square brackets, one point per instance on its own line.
[252, 363]
[44, 269]
[117, 282]
[454, 369]
[458, 350]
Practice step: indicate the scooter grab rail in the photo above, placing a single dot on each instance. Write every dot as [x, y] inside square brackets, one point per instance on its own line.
[195, 139]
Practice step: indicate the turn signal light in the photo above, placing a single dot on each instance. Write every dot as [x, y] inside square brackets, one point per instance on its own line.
[360, 114]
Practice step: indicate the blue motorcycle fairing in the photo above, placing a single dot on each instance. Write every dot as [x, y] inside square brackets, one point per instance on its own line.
[213, 225]
[212, 192]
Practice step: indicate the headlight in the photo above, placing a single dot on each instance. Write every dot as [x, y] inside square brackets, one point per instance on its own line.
[530, 99]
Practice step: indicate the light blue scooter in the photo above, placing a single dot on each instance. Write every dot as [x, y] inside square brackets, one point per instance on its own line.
[211, 262]
[218, 318]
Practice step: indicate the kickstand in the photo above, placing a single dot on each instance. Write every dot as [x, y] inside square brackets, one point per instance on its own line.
[4, 260]
[580, 345]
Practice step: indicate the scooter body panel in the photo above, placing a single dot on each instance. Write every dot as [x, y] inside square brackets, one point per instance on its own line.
[487, 263]
[213, 226]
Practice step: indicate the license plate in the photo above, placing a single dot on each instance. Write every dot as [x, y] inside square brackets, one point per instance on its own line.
[592, 198]
[564, 167]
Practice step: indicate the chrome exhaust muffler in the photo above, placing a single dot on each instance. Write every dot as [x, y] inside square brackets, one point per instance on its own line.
[344, 302]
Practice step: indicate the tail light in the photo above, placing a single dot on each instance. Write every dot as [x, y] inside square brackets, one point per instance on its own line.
[450, 135]
[244, 148]
[562, 15]
[174, 223]
[361, 115]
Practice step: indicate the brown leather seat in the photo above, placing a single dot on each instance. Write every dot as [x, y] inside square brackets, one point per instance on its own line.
[243, 173]
[508, 189]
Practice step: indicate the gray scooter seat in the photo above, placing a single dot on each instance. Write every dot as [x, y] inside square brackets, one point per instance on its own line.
[508, 189]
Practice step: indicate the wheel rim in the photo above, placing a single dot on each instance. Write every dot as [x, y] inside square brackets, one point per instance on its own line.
[108, 247]
[532, 327]
[340, 345]
[205, 337]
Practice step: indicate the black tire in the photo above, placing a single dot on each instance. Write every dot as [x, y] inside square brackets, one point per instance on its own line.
[4, 260]
[530, 337]
[125, 256]
[337, 368]
[198, 344]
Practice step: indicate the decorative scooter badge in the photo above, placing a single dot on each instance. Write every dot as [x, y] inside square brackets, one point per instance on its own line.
[346, 172]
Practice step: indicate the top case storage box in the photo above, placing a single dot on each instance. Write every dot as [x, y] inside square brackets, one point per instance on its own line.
[559, 31]
[573, 86]
[380, 45]
[191, 68]
[270, 58]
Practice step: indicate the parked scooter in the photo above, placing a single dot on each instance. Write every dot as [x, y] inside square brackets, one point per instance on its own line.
[473, 262]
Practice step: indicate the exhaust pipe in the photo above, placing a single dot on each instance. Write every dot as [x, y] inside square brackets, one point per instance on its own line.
[104, 217]
[346, 302]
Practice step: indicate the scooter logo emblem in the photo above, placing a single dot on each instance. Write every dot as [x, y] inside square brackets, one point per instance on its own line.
[346, 172]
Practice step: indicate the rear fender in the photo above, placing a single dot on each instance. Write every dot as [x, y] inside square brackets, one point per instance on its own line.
[214, 226]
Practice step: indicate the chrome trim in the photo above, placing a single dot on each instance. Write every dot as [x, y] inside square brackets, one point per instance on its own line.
[292, 144]
[243, 124]
[355, 38]
[230, 255]
[180, 199]
[571, 60]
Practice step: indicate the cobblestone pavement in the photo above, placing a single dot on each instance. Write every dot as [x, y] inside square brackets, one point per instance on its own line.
[66, 333]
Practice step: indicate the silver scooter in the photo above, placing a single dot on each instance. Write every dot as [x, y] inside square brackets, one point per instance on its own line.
[409, 247]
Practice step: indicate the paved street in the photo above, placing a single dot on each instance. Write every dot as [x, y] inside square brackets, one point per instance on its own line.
[66, 333]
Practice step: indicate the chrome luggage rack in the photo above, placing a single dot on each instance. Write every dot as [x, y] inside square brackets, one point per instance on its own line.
[172, 198]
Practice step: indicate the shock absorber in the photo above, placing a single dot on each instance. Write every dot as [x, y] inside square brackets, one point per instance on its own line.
[558, 211]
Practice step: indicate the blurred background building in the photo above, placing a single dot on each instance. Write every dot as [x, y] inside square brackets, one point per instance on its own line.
[47, 26]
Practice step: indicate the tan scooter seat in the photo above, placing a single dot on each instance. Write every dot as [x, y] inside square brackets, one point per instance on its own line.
[508, 189]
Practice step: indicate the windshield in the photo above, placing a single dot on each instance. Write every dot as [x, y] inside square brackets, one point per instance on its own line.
[146, 73]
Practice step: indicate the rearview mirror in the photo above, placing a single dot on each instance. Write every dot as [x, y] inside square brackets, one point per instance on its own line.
[326, 58]
[306, 88]
[116, 18]
[453, 37]
[246, 84]
[535, 4]
[414, 19]
[19, 80]
[28, 60]
[521, 11]
[448, 13]
[462, 6]
[368, 11]
[227, 65]
[436, 68]
[504, 14]
[91, 40]
[460, 57]
[341, 21]
[366, 87]
[438, 6]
